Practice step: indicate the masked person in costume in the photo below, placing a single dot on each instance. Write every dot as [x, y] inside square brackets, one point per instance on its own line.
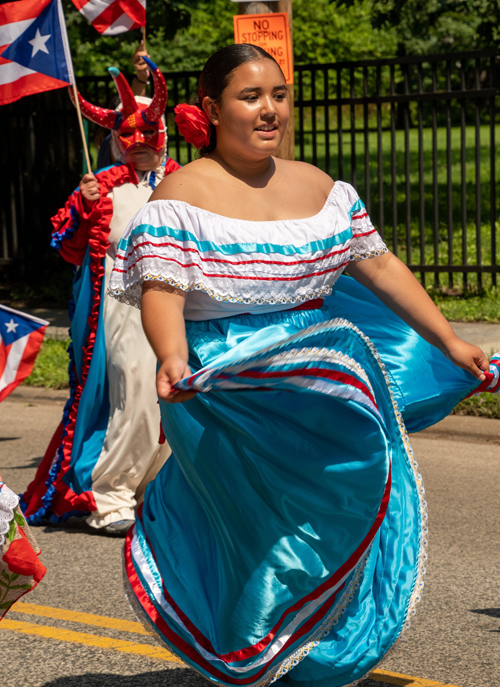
[285, 539]
[139, 83]
[106, 448]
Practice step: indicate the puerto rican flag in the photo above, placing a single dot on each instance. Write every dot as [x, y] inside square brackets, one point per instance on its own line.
[111, 17]
[34, 49]
[21, 336]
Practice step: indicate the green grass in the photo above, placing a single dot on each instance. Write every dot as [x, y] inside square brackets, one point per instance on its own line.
[469, 307]
[484, 405]
[51, 366]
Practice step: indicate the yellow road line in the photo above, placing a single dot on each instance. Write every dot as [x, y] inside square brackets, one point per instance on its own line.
[76, 617]
[405, 680]
[143, 649]
[87, 639]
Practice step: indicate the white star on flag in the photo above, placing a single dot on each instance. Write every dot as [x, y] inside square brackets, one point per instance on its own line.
[38, 43]
[11, 326]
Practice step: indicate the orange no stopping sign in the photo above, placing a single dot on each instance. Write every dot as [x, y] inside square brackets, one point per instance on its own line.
[270, 32]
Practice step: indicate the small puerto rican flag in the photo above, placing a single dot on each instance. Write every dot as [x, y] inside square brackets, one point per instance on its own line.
[21, 336]
[34, 49]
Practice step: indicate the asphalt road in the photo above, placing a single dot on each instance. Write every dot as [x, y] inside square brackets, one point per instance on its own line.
[455, 638]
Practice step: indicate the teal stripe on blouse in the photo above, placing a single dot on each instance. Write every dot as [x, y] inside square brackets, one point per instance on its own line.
[235, 248]
[358, 205]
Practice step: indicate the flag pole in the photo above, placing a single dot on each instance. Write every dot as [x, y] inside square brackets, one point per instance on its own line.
[72, 80]
[82, 130]
[143, 29]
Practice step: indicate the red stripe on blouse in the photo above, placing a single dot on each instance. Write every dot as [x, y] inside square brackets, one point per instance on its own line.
[229, 276]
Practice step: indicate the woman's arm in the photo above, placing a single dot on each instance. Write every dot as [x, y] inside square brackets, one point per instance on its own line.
[389, 279]
[162, 313]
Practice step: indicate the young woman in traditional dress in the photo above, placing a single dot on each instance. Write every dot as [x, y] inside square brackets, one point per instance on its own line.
[286, 539]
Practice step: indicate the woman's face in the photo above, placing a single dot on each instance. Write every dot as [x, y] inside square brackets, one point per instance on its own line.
[253, 113]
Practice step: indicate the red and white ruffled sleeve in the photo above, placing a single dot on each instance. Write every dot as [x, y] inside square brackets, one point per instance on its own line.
[366, 242]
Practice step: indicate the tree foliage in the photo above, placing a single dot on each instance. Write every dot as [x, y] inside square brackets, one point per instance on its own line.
[437, 26]
[182, 34]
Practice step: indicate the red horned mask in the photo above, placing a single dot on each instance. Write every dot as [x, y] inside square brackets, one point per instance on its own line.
[136, 123]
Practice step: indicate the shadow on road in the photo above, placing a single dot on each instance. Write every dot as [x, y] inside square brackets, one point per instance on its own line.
[34, 462]
[175, 677]
[492, 612]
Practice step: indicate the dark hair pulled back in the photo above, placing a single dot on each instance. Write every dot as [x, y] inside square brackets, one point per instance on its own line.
[216, 74]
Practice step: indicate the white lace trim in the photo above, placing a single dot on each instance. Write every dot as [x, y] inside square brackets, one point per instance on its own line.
[8, 503]
[293, 659]
[298, 355]
[132, 294]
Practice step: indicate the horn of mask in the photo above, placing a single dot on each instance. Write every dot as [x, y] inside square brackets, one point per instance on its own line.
[153, 113]
[109, 119]
[124, 91]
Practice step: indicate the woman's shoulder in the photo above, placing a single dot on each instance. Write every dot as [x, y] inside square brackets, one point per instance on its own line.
[305, 174]
[185, 185]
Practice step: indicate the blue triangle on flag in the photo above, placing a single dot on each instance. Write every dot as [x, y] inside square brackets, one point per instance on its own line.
[41, 46]
[14, 325]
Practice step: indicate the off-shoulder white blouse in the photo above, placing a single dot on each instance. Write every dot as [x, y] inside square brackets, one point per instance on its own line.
[229, 266]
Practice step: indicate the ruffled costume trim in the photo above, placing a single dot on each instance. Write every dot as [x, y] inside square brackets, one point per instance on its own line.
[78, 228]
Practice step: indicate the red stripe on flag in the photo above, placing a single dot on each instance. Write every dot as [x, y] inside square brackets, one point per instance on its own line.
[30, 353]
[135, 10]
[25, 366]
[106, 18]
[4, 353]
[28, 85]
[20, 11]
[80, 4]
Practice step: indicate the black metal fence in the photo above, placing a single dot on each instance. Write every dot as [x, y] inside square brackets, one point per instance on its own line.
[416, 136]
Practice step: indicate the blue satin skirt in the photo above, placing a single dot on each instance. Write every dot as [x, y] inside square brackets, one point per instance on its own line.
[285, 539]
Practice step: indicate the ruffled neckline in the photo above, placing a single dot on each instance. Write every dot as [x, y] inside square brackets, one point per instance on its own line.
[274, 222]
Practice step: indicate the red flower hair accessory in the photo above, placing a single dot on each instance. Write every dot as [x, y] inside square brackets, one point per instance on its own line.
[193, 124]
